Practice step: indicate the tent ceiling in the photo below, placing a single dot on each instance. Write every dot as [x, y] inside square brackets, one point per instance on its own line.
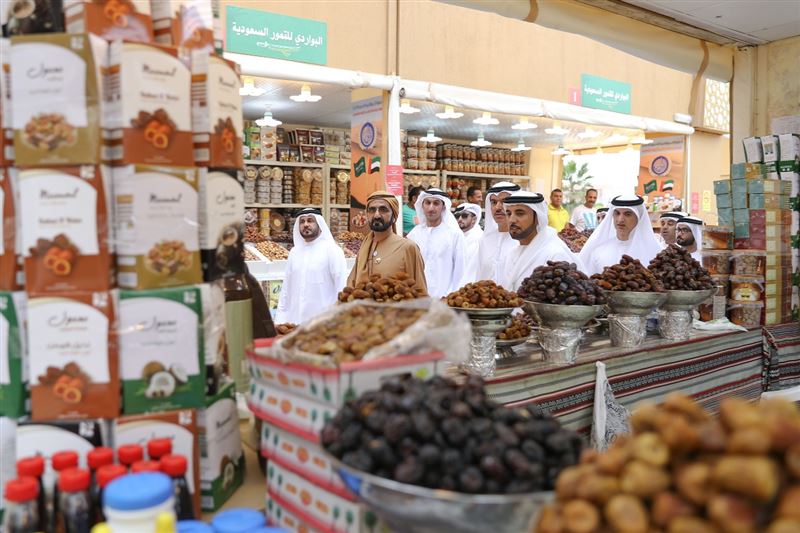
[332, 111]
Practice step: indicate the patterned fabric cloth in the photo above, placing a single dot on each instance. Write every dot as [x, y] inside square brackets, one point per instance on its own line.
[782, 356]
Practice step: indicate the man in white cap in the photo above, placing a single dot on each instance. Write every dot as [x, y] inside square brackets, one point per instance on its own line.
[626, 230]
[538, 243]
[668, 222]
[468, 216]
[496, 242]
[440, 241]
[315, 273]
[690, 236]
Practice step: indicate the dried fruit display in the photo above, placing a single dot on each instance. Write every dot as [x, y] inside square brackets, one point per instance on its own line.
[518, 329]
[249, 256]
[561, 283]
[58, 256]
[388, 289]
[628, 275]
[678, 270]
[350, 248]
[168, 257]
[252, 234]
[483, 294]
[352, 236]
[48, 131]
[443, 435]
[348, 335]
[272, 250]
[285, 329]
[684, 470]
[573, 238]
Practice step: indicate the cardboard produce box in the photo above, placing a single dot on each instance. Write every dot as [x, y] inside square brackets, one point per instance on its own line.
[767, 201]
[289, 411]
[9, 252]
[191, 24]
[149, 111]
[221, 224]
[725, 200]
[65, 221]
[763, 186]
[156, 211]
[13, 355]
[222, 460]
[58, 103]
[722, 186]
[216, 111]
[110, 19]
[284, 518]
[178, 426]
[748, 170]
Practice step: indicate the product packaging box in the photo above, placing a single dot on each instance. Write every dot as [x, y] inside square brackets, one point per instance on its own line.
[190, 24]
[45, 438]
[156, 212]
[753, 150]
[221, 224]
[9, 252]
[58, 104]
[739, 198]
[6, 124]
[150, 118]
[748, 170]
[178, 426]
[72, 347]
[162, 352]
[65, 216]
[110, 19]
[739, 188]
[725, 201]
[8, 459]
[222, 458]
[768, 201]
[216, 111]
[771, 150]
[722, 186]
[725, 217]
[13, 355]
[761, 186]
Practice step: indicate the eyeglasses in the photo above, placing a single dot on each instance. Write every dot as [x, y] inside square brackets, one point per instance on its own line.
[464, 215]
[383, 210]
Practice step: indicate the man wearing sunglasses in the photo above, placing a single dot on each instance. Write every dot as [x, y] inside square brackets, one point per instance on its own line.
[468, 216]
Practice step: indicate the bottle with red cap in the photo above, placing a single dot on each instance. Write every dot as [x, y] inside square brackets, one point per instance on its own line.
[61, 461]
[34, 467]
[145, 466]
[129, 454]
[73, 505]
[175, 467]
[21, 514]
[158, 448]
[105, 475]
[97, 458]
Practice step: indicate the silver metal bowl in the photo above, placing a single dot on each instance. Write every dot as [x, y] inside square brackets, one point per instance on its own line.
[412, 509]
[561, 316]
[486, 313]
[686, 300]
[628, 303]
[510, 342]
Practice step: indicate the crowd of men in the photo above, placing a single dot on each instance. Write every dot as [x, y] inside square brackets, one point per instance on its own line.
[442, 248]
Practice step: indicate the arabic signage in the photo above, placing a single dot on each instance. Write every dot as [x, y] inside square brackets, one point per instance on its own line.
[259, 33]
[602, 93]
[366, 147]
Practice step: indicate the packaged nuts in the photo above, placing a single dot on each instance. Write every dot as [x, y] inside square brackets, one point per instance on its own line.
[484, 294]
[677, 270]
[717, 262]
[747, 288]
[749, 262]
[559, 282]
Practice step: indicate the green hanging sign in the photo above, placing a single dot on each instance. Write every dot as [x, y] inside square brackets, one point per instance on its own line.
[260, 33]
[602, 93]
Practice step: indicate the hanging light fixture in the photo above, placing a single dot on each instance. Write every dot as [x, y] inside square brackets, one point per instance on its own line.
[449, 112]
[523, 124]
[430, 137]
[556, 130]
[486, 120]
[406, 108]
[589, 133]
[521, 146]
[249, 88]
[480, 141]
[305, 95]
[268, 120]
[560, 151]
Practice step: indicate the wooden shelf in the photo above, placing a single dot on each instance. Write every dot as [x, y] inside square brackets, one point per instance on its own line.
[283, 163]
[425, 172]
[476, 175]
[282, 206]
[339, 167]
[340, 206]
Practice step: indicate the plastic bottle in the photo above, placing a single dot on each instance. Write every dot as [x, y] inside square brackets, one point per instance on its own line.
[61, 461]
[74, 505]
[238, 521]
[21, 515]
[133, 502]
[96, 459]
[165, 523]
[105, 475]
[129, 454]
[194, 526]
[34, 467]
[158, 448]
[145, 466]
[175, 467]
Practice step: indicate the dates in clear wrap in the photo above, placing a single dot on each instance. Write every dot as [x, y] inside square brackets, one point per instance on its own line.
[483, 295]
[561, 283]
[678, 270]
[628, 275]
[443, 435]
[684, 470]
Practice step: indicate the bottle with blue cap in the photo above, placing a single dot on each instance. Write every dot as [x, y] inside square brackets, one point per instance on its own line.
[194, 526]
[133, 503]
[238, 521]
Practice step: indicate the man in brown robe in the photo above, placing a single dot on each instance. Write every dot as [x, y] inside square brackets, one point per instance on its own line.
[384, 252]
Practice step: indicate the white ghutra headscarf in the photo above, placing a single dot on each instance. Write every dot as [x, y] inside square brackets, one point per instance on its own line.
[696, 225]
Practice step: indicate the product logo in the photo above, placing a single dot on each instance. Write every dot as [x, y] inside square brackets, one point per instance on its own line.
[43, 71]
[223, 198]
[230, 84]
[147, 69]
[154, 324]
[224, 422]
[65, 320]
[156, 199]
[47, 195]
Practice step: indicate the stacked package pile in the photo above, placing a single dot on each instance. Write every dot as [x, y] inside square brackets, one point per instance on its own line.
[121, 238]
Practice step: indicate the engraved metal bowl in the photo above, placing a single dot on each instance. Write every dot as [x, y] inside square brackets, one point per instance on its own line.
[412, 509]
[561, 316]
[628, 303]
[686, 300]
[486, 313]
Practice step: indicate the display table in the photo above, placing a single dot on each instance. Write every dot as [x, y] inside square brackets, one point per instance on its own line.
[707, 366]
[782, 355]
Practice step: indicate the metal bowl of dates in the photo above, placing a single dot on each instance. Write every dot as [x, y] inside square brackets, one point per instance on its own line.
[413, 509]
[628, 303]
[561, 316]
[485, 313]
[686, 300]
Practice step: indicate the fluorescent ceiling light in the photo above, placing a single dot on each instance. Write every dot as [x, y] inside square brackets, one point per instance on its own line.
[249, 88]
[406, 108]
[521, 147]
[486, 120]
[560, 151]
[556, 130]
[449, 112]
[617, 139]
[430, 137]
[523, 124]
[589, 133]
[480, 141]
[268, 120]
[305, 95]
[641, 140]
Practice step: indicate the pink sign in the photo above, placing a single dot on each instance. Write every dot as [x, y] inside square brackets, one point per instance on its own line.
[394, 179]
[695, 202]
[574, 96]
